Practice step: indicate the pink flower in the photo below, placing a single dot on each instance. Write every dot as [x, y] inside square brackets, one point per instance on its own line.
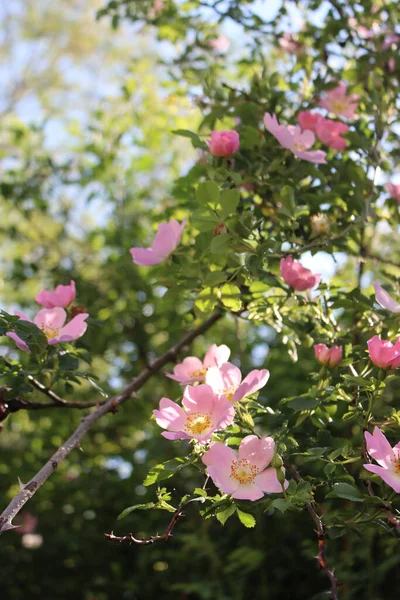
[191, 369]
[388, 458]
[204, 413]
[393, 190]
[227, 380]
[309, 120]
[62, 296]
[392, 39]
[329, 132]
[289, 44]
[221, 43]
[224, 143]
[329, 357]
[244, 474]
[383, 298]
[51, 322]
[292, 138]
[167, 239]
[383, 353]
[297, 276]
[337, 101]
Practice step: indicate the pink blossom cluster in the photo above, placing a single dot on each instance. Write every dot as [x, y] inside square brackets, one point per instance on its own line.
[327, 131]
[209, 407]
[52, 318]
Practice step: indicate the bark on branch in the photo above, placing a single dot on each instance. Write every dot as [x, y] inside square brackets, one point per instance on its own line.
[28, 490]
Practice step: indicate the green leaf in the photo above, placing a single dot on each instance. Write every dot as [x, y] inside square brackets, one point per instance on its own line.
[214, 278]
[208, 193]
[301, 403]
[346, 491]
[224, 513]
[165, 470]
[231, 297]
[32, 335]
[206, 300]
[246, 519]
[220, 244]
[281, 505]
[229, 201]
[130, 509]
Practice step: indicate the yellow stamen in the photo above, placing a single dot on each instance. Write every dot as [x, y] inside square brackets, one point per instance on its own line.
[50, 332]
[200, 373]
[198, 423]
[243, 471]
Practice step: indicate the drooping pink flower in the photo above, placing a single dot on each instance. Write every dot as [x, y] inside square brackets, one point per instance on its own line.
[393, 190]
[292, 138]
[224, 143]
[203, 413]
[309, 120]
[191, 369]
[338, 102]
[227, 380]
[167, 239]
[329, 357]
[62, 296]
[329, 132]
[244, 474]
[52, 322]
[297, 276]
[387, 457]
[221, 43]
[384, 299]
[383, 353]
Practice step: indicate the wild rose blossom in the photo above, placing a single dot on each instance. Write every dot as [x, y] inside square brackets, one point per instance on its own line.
[203, 413]
[224, 143]
[221, 43]
[329, 357]
[338, 102]
[387, 457]
[383, 353]
[329, 132]
[309, 120]
[167, 239]
[384, 299]
[52, 322]
[227, 380]
[393, 190]
[297, 276]
[295, 140]
[244, 474]
[192, 369]
[62, 296]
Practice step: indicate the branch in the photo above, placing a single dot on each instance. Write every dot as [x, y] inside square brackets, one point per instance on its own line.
[57, 400]
[111, 405]
[321, 532]
[130, 539]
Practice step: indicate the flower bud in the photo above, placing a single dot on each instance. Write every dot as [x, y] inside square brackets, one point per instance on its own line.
[224, 143]
[329, 357]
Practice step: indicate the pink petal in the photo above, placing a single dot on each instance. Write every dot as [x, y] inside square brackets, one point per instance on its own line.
[199, 399]
[224, 379]
[145, 257]
[389, 476]
[379, 448]
[254, 381]
[50, 318]
[20, 343]
[220, 455]
[175, 435]
[62, 296]
[258, 452]
[315, 156]
[222, 479]
[248, 491]
[383, 298]
[268, 482]
[72, 330]
[223, 413]
[216, 356]
[22, 316]
[170, 416]
[167, 238]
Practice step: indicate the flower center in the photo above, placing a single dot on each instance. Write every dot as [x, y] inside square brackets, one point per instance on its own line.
[197, 423]
[299, 146]
[228, 393]
[50, 332]
[339, 106]
[199, 373]
[396, 463]
[243, 471]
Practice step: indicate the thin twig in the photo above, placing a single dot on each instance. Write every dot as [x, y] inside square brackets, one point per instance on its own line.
[130, 539]
[321, 532]
[57, 400]
[111, 405]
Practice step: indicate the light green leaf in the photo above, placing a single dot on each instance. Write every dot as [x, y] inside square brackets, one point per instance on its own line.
[231, 297]
[207, 193]
[246, 519]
